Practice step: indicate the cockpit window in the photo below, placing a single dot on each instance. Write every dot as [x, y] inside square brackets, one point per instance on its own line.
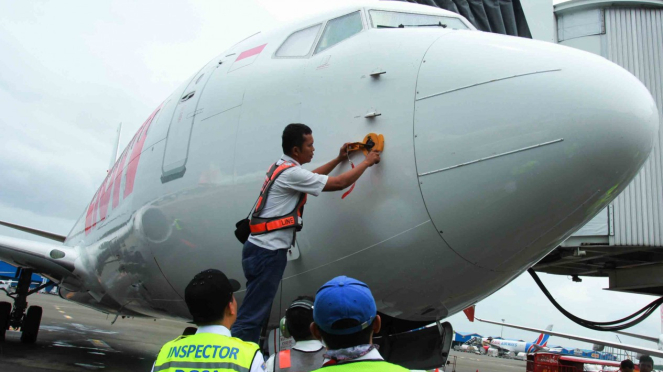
[339, 29]
[299, 43]
[384, 19]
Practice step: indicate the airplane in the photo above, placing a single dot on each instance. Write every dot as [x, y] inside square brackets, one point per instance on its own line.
[634, 348]
[497, 149]
[510, 346]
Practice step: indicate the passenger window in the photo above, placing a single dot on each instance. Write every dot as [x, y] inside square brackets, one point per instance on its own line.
[299, 43]
[339, 29]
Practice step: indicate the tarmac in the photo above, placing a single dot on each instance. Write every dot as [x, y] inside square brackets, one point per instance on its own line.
[470, 362]
[77, 338]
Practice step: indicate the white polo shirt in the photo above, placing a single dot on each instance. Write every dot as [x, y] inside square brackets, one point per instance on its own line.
[283, 198]
[309, 346]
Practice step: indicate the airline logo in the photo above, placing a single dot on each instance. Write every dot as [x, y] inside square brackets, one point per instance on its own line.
[98, 208]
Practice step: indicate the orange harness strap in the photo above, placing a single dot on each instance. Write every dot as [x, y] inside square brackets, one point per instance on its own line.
[260, 225]
[273, 225]
[284, 358]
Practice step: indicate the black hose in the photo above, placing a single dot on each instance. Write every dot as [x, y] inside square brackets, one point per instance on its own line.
[600, 326]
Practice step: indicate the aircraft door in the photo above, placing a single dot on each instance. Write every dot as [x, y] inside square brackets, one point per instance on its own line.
[181, 125]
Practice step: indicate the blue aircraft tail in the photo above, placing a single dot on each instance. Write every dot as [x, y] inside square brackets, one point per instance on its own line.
[542, 340]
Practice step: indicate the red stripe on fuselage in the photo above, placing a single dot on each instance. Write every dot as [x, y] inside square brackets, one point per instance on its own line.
[251, 52]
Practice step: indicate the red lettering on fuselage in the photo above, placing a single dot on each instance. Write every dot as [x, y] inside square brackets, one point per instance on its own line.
[104, 196]
[118, 179]
[89, 216]
[135, 154]
[98, 208]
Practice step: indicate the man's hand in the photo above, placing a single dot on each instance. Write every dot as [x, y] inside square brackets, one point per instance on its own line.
[349, 177]
[372, 157]
[343, 153]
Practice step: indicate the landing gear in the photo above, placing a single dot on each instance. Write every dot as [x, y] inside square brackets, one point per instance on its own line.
[30, 326]
[17, 317]
[5, 311]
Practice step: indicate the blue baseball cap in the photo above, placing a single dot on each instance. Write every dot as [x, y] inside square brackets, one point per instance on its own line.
[344, 298]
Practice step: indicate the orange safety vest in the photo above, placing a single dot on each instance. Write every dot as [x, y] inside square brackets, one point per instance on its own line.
[260, 225]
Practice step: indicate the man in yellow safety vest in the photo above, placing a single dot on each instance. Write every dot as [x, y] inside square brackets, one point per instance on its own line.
[209, 297]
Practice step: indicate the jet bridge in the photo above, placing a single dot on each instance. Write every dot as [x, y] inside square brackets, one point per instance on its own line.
[624, 242]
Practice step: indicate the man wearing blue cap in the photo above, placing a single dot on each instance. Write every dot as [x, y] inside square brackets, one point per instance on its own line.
[345, 319]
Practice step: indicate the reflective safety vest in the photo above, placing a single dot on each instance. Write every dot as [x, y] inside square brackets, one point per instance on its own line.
[206, 351]
[261, 225]
[296, 360]
[363, 366]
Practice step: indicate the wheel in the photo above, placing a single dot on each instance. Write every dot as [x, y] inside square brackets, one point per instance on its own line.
[5, 311]
[30, 326]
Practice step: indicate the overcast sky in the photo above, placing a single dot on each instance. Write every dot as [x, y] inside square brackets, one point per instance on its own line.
[71, 71]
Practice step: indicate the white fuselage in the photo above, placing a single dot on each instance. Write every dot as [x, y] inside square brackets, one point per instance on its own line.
[497, 149]
[510, 346]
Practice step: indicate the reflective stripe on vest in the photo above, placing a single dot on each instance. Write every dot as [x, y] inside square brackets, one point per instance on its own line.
[206, 351]
[364, 366]
[295, 360]
[260, 225]
[284, 359]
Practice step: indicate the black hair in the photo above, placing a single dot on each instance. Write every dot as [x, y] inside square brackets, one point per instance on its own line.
[298, 320]
[221, 316]
[335, 342]
[209, 322]
[626, 363]
[293, 136]
[645, 359]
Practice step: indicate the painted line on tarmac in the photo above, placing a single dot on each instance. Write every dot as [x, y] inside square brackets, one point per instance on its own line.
[67, 316]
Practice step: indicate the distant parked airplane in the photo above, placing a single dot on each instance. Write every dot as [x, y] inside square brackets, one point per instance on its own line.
[595, 341]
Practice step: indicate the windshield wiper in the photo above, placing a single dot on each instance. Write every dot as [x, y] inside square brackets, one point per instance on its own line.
[439, 24]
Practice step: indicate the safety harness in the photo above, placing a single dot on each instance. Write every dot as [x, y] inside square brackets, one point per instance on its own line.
[260, 225]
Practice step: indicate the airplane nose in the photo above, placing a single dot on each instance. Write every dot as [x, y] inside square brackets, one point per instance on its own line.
[518, 143]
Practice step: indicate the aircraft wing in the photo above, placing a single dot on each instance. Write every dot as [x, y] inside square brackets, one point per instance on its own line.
[616, 345]
[648, 338]
[53, 260]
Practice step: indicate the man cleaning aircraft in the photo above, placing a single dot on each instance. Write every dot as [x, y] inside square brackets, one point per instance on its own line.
[278, 216]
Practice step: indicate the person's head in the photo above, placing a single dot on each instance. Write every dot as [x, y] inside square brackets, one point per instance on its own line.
[298, 318]
[646, 363]
[297, 142]
[344, 314]
[626, 365]
[209, 297]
